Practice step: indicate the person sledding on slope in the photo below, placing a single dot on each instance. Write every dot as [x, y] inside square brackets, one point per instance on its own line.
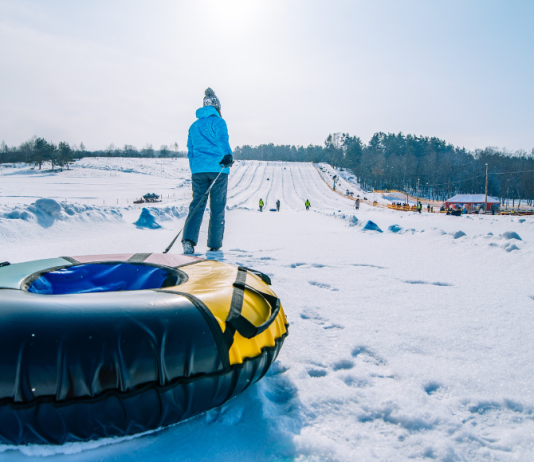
[307, 204]
[208, 150]
[261, 205]
[278, 205]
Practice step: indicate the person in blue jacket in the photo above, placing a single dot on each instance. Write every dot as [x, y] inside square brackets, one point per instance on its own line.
[209, 152]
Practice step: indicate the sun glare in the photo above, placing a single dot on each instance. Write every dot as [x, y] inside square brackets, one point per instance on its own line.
[232, 15]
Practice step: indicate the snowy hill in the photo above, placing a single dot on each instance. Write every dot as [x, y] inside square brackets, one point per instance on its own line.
[414, 343]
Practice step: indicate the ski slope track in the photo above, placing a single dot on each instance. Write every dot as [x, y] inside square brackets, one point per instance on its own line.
[414, 343]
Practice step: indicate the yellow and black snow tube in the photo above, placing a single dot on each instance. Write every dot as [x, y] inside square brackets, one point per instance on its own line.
[86, 354]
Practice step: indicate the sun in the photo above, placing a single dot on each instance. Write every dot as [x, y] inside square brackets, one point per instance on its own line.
[232, 15]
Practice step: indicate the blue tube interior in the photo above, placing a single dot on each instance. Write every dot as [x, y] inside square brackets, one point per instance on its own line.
[98, 277]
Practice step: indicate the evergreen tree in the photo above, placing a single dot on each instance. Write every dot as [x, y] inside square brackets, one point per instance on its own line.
[39, 152]
[65, 155]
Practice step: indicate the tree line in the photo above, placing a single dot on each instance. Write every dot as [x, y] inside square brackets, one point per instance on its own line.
[427, 166]
[40, 152]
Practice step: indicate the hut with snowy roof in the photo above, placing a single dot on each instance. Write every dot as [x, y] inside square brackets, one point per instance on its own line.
[472, 201]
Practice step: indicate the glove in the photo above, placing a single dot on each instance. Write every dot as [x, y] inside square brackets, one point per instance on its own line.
[227, 161]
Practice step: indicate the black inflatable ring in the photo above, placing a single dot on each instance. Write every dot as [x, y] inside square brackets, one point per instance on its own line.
[77, 367]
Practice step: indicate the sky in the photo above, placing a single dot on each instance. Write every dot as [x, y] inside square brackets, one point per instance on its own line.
[286, 71]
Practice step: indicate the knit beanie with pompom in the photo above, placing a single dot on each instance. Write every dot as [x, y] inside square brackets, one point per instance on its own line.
[211, 99]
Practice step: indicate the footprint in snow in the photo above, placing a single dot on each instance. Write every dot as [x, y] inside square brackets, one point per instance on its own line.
[280, 390]
[312, 314]
[315, 373]
[323, 285]
[355, 381]
[362, 352]
[432, 387]
[482, 407]
[370, 266]
[441, 284]
[312, 265]
[333, 327]
[343, 364]
[367, 361]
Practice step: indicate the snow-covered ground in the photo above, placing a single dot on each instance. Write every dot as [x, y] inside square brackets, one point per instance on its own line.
[411, 344]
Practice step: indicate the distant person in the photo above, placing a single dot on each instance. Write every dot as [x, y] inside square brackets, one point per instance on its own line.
[428, 208]
[209, 154]
[278, 205]
[419, 206]
[357, 204]
[307, 204]
[261, 204]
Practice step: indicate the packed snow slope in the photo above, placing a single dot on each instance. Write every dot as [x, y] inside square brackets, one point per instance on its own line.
[413, 343]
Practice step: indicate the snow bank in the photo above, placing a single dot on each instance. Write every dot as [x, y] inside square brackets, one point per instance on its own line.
[47, 211]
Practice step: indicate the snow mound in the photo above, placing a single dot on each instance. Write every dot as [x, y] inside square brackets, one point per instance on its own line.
[509, 247]
[371, 226]
[49, 206]
[46, 212]
[437, 231]
[147, 220]
[511, 235]
[167, 213]
[407, 231]
[458, 234]
[394, 228]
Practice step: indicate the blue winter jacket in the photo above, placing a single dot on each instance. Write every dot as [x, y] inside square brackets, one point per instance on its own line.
[207, 142]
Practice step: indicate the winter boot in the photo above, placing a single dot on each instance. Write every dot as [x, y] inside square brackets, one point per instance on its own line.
[188, 247]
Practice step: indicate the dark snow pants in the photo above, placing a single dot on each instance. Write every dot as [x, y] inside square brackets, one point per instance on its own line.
[201, 183]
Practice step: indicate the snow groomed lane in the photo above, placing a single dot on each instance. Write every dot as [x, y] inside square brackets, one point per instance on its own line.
[290, 182]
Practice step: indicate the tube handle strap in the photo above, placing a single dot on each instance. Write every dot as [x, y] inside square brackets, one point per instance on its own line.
[236, 321]
[261, 275]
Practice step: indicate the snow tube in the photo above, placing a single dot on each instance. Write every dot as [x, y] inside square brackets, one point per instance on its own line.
[112, 345]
